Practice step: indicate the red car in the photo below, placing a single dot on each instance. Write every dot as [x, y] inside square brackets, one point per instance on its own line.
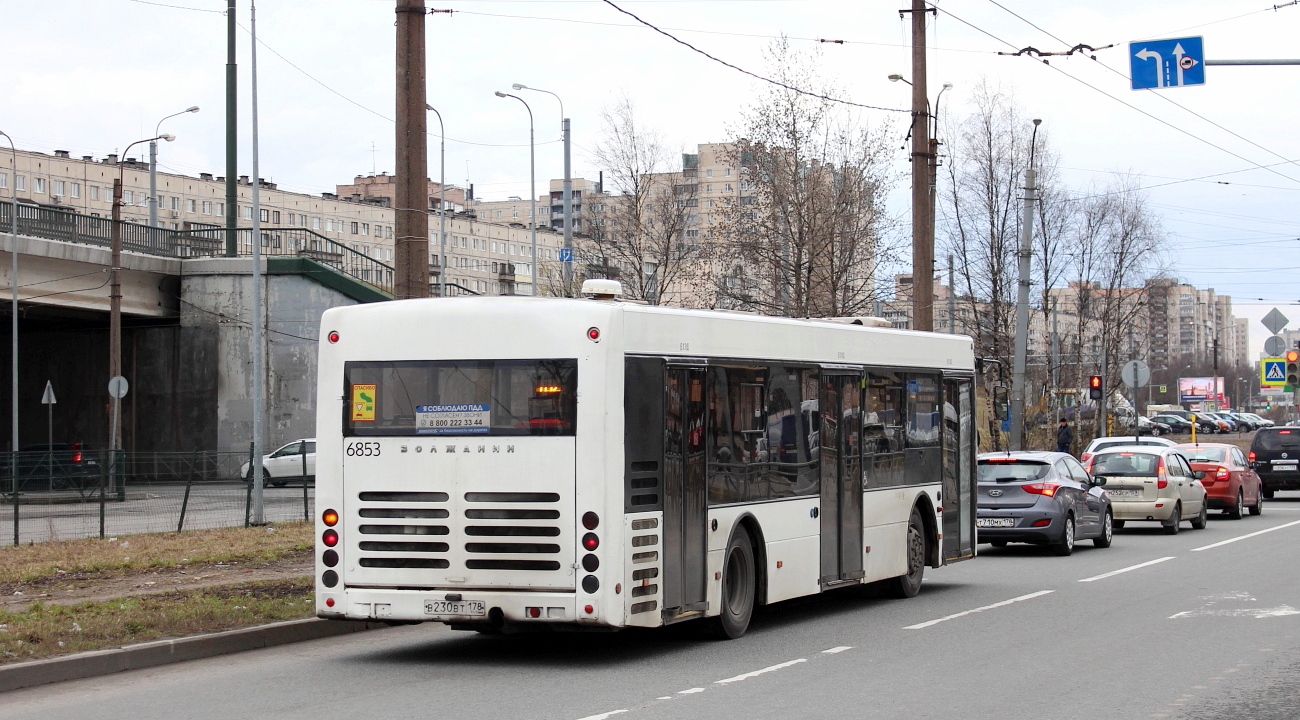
[1230, 484]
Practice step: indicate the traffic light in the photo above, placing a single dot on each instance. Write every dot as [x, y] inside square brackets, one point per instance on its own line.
[1094, 387]
[1293, 367]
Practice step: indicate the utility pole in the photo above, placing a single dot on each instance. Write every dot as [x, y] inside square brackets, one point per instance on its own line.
[568, 211]
[1056, 361]
[232, 133]
[115, 303]
[411, 252]
[922, 158]
[952, 299]
[1022, 303]
[256, 510]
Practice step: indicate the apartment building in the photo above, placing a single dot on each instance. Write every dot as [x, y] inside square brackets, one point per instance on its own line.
[482, 257]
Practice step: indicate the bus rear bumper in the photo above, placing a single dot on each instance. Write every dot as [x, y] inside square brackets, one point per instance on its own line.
[461, 607]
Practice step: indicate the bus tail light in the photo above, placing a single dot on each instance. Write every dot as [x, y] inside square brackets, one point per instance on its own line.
[590, 541]
[330, 517]
[330, 538]
[589, 609]
[533, 612]
[329, 602]
[593, 334]
[590, 520]
[334, 336]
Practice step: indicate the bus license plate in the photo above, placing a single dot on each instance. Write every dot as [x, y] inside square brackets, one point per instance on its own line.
[459, 607]
[995, 522]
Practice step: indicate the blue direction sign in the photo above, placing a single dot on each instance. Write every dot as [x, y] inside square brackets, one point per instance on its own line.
[1166, 63]
[566, 255]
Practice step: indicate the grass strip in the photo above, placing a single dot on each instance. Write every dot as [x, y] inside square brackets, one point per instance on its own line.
[45, 630]
[128, 553]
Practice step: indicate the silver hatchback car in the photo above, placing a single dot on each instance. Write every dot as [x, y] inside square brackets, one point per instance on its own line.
[1151, 483]
[1045, 498]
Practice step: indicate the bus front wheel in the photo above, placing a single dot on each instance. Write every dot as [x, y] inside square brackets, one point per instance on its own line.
[909, 584]
[738, 587]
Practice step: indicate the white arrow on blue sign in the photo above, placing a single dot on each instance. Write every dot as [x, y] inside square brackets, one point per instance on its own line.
[566, 254]
[1166, 63]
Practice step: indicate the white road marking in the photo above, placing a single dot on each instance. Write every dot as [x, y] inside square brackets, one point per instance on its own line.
[692, 691]
[1030, 596]
[770, 668]
[1139, 566]
[839, 649]
[603, 716]
[1248, 535]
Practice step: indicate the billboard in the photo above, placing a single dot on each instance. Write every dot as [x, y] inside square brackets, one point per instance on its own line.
[1196, 389]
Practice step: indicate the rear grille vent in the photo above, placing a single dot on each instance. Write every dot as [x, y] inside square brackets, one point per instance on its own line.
[523, 540]
[402, 550]
[644, 607]
[646, 557]
[643, 590]
[643, 484]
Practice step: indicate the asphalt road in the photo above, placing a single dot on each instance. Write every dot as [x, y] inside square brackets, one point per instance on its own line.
[1205, 624]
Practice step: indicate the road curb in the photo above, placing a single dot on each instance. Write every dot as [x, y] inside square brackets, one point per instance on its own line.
[163, 652]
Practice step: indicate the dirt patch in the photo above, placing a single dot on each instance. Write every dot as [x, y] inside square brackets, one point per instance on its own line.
[72, 588]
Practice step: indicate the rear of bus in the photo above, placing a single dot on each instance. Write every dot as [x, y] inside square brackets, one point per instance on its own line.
[448, 473]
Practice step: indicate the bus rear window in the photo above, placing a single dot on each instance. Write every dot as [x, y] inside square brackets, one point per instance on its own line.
[461, 397]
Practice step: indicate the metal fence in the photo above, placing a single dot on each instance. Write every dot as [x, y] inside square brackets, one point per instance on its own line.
[66, 495]
[55, 224]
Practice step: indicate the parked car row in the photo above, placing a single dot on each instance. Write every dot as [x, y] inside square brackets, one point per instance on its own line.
[1049, 498]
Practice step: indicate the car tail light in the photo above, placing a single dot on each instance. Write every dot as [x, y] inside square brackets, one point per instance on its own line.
[330, 538]
[1221, 473]
[1046, 488]
[1162, 478]
[1043, 523]
[1000, 460]
[1251, 456]
[76, 456]
[1086, 458]
[1283, 432]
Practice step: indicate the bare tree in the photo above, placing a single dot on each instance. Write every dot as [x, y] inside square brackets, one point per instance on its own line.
[641, 236]
[803, 237]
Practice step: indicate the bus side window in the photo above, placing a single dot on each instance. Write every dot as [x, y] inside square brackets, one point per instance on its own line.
[882, 425]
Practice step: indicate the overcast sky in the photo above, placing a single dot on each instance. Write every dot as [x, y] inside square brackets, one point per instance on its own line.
[91, 76]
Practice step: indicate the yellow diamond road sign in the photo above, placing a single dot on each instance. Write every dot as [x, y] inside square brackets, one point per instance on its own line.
[1272, 372]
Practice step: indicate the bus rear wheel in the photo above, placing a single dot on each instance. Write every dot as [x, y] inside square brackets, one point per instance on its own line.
[908, 585]
[738, 587]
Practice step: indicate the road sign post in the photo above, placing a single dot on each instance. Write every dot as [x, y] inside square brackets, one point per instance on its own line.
[48, 401]
[1177, 62]
[117, 388]
[1135, 374]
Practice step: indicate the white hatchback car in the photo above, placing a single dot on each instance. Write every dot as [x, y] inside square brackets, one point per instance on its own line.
[284, 466]
[1151, 483]
[1101, 443]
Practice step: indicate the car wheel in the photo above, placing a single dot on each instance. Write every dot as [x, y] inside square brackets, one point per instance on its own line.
[1066, 545]
[1171, 525]
[1199, 522]
[1155, 432]
[738, 587]
[1107, 531]
[1258, 507]
[998, 543]
[1119, 524]
[906, 586]
[1234, 512]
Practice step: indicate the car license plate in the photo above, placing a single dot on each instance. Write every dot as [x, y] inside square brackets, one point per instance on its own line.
[995, 522]
[1125, 492]
[1285, 465]
[457, 607]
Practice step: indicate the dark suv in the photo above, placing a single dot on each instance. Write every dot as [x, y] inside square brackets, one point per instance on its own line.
[65, 466]
[1275, 455]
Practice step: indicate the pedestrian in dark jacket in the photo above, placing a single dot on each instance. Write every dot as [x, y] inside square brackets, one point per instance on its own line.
[1064, 436]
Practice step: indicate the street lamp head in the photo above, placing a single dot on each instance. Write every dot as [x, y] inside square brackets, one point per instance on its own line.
[1037, 122]
[192, 109]
[519, 86]
[895, 77]
[167, 136]
[501, 94]
[427, 106]
[947, 86]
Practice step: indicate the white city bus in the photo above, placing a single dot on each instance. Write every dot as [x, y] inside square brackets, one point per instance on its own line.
[507, 463]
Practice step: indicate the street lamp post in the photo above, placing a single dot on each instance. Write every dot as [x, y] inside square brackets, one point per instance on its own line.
[115, 285]
[532, 185]
[442, 203]
[566, 131]
[1022, 304]
[153, 165]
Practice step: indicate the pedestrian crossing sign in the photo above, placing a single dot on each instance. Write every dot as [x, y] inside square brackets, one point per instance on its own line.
[1272, 372]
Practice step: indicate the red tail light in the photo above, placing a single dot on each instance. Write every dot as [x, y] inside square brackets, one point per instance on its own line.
[1086, 458]
[1221, 473]
[590, 541]
[330, 538]
[1251, 456]
[1048, 489]
[1162, 479]
[76, 456]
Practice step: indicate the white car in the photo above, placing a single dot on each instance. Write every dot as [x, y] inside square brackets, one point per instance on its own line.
[1101, 443]
[285, 464]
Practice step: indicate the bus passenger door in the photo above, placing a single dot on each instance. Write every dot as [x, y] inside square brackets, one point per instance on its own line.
[685, 493]
[958, 499]
[840, 438]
